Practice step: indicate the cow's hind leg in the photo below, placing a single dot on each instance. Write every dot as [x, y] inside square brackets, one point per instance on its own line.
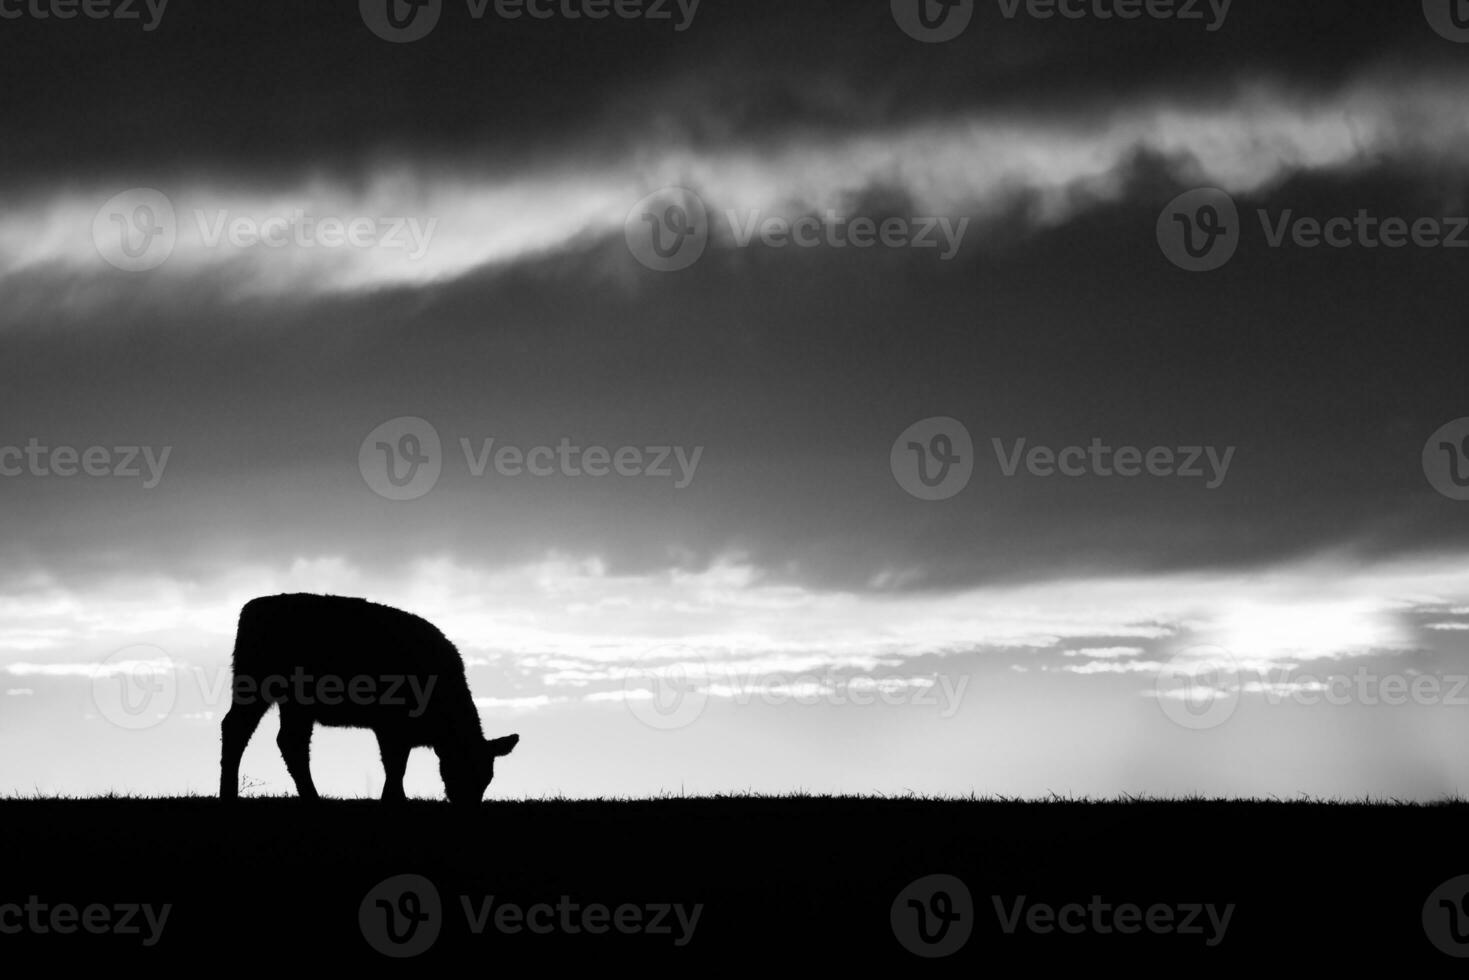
[395, 764]
[239, 724]
[295, 745]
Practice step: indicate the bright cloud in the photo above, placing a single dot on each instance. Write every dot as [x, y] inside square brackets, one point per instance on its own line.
[455, 220]
[567, 629]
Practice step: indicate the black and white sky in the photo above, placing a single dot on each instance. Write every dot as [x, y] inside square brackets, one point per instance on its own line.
[266, 240]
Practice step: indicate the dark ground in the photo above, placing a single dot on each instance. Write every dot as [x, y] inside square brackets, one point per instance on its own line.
[785, 883]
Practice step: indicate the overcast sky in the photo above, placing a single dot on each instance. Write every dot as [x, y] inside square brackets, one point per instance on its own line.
[1021, 635]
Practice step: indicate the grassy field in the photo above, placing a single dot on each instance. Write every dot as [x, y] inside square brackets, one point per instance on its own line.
[751, 882]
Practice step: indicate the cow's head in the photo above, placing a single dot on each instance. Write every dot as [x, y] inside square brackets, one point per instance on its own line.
[467, 774]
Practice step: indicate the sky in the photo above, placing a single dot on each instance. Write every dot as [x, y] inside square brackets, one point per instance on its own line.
[826, 486]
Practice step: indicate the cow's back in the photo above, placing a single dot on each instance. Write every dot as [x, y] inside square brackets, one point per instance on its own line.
[287, 636]
[336, 632]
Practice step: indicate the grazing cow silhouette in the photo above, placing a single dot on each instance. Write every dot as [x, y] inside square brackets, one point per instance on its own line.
[353, 663]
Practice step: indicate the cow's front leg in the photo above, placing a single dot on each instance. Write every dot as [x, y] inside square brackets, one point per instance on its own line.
[239, 724]
[395, 764]
[295, 745]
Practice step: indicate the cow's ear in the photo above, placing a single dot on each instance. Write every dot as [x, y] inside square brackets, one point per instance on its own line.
[502, 746]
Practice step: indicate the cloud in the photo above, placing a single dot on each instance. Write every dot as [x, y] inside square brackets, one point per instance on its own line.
[519, 704]
[1282, 689]
[1113, 667]
[566, 629]
[437, 220]
[89, 671]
